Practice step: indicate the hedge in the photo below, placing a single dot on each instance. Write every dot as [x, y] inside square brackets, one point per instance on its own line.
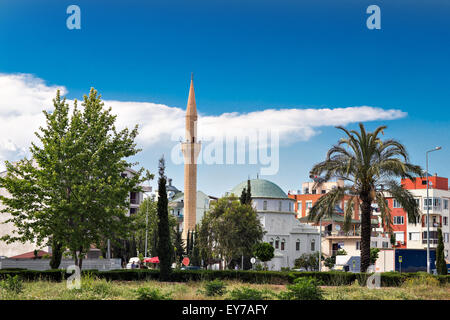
[332, 278]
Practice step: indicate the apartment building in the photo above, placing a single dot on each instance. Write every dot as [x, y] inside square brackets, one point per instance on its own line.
[412, 235]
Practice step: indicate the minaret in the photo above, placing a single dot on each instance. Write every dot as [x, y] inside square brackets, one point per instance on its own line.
[191, 149]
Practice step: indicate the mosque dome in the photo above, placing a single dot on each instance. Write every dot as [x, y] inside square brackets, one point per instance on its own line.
[260, 188]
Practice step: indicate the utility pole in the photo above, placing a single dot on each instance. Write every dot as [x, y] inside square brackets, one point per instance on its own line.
[428, 213]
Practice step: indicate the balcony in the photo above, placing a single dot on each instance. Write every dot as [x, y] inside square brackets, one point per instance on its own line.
[432, 225]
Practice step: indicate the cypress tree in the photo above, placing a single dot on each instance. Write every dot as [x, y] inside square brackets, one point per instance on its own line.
[441, 266]
[165, 249]
[249, 193]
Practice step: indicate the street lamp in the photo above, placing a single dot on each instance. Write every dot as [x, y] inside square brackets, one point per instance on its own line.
[428, 213]
[146, 219]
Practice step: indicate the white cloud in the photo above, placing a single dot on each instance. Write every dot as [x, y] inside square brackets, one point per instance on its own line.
[24, 96]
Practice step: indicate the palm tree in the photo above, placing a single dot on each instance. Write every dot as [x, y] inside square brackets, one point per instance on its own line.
[369, 166]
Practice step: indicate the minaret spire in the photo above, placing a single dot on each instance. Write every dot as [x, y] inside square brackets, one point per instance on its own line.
[191, 150]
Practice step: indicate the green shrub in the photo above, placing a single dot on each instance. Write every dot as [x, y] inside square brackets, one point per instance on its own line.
[329, 278]
[12, 284]
[145, 293]
[422, 279]
[303, 289]
[215, 288]
[246, 293]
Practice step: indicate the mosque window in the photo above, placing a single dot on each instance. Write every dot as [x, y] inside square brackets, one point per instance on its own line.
[277, 243]
[271, 242]
[282, 244]
[265, 205]
[313, 245]
[279, 205]
[297, 245]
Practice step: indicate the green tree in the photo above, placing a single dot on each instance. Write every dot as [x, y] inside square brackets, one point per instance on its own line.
[165, 249]
[179, 247]
[246, 194]
[368, 164]
[229, 230]
[309, 261]
[441, 266]
[195, 255]
[57, 251]
[72, 190]
[329, 262]
[374, 255]
[264, 251]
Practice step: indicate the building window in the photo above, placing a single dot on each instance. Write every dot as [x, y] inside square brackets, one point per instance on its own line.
[445, 221]
[397, 204]
[399, 236]
[445, 237]
[417, 202]
[414, 236]
[282, 244]
[299, 206]
[324, 191]
[308, 205]
[373, 244]
[306, 190]
[445, 204]
[277, 243]
[314, 191]
[358, 245]
[133, 210]
[290, 206]
[134, 198]
[385, 244]
[297, 245]
[398, 220]
[271, 242]
[265, 205]
[313, 245]
[279, 205]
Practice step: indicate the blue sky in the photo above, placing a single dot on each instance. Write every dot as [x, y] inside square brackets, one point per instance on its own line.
[248, 56]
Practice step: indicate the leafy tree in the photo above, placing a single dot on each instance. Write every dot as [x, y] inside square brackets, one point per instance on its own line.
[165, 249]
[309, 261]
[374, 255]
[72, 190]
[229, 230]
[329, 262]
[441, 266]
[392, 239]
[264, 251]
[369, 165]
[195, 255]
[179, 247]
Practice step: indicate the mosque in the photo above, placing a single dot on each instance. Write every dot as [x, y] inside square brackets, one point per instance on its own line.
[275, 209]
[284, 232]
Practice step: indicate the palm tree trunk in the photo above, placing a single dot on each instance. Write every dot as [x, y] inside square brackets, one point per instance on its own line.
[365, 232]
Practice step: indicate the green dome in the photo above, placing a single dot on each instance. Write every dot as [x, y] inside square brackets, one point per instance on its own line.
[260, 188]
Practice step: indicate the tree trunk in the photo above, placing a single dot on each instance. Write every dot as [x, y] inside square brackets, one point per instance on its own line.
[56, 254]
[365, 232]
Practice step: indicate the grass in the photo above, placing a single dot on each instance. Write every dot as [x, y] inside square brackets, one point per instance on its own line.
[100, 289]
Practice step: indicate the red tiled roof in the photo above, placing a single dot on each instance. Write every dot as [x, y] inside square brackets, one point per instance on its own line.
[30, 255]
